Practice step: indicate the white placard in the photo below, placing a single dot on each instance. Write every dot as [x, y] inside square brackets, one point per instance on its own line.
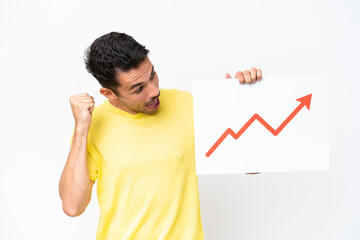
[274, 128]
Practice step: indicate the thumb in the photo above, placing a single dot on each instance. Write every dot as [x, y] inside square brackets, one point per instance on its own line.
[227, 76]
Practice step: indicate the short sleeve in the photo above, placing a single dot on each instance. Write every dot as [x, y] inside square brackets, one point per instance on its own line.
[93, 158]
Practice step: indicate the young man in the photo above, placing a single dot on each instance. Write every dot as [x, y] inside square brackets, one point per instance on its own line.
[138, 145]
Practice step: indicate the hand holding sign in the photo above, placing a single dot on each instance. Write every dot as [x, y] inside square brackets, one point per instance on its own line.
[247, 76]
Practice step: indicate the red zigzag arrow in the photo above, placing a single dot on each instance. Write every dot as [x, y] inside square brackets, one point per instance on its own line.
[304, 101]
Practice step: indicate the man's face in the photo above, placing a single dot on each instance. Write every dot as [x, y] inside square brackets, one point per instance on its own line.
[139, 89]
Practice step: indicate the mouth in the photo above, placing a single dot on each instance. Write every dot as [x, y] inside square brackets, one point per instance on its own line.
[154, 105]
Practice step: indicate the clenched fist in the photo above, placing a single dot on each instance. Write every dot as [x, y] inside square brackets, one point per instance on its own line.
[82, 106]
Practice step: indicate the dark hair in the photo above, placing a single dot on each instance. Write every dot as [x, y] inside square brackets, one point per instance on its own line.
[112, 53]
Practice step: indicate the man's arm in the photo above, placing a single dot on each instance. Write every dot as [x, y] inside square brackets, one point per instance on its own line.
[75, 184]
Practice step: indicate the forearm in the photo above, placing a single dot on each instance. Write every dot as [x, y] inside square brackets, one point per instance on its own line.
[75, 184]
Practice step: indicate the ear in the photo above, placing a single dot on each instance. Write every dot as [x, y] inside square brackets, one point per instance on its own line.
[108, 93]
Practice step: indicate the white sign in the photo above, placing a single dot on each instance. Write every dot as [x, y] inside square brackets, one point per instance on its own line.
[277, 124]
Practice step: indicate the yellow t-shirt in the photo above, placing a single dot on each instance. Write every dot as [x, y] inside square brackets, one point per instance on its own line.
[145, 170]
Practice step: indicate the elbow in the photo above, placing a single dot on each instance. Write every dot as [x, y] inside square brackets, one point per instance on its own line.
[73, 211]
[74, 205]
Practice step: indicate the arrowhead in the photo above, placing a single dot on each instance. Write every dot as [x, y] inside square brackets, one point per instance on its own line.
[306, 100]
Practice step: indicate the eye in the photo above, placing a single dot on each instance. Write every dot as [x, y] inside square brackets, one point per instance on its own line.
[153, 75]
[139, 89]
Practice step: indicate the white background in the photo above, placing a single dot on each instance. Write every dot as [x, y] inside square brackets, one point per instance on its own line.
[41, 50]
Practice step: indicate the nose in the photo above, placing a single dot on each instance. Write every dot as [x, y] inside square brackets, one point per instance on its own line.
[155, 92]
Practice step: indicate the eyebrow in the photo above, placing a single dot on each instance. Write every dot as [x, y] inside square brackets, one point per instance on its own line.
[140, 83]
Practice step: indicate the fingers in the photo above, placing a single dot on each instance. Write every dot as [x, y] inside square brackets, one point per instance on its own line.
[240, 76]
[86, 99]
[81, 105]
[248, 76]
[82, 101]
[227, 76]
[81, 97]
[253, 75]
[258, 74]
[243, 77]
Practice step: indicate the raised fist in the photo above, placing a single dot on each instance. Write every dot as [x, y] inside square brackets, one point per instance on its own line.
[82, 106]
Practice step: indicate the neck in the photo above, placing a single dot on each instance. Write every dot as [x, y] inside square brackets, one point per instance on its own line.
[117, 103]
